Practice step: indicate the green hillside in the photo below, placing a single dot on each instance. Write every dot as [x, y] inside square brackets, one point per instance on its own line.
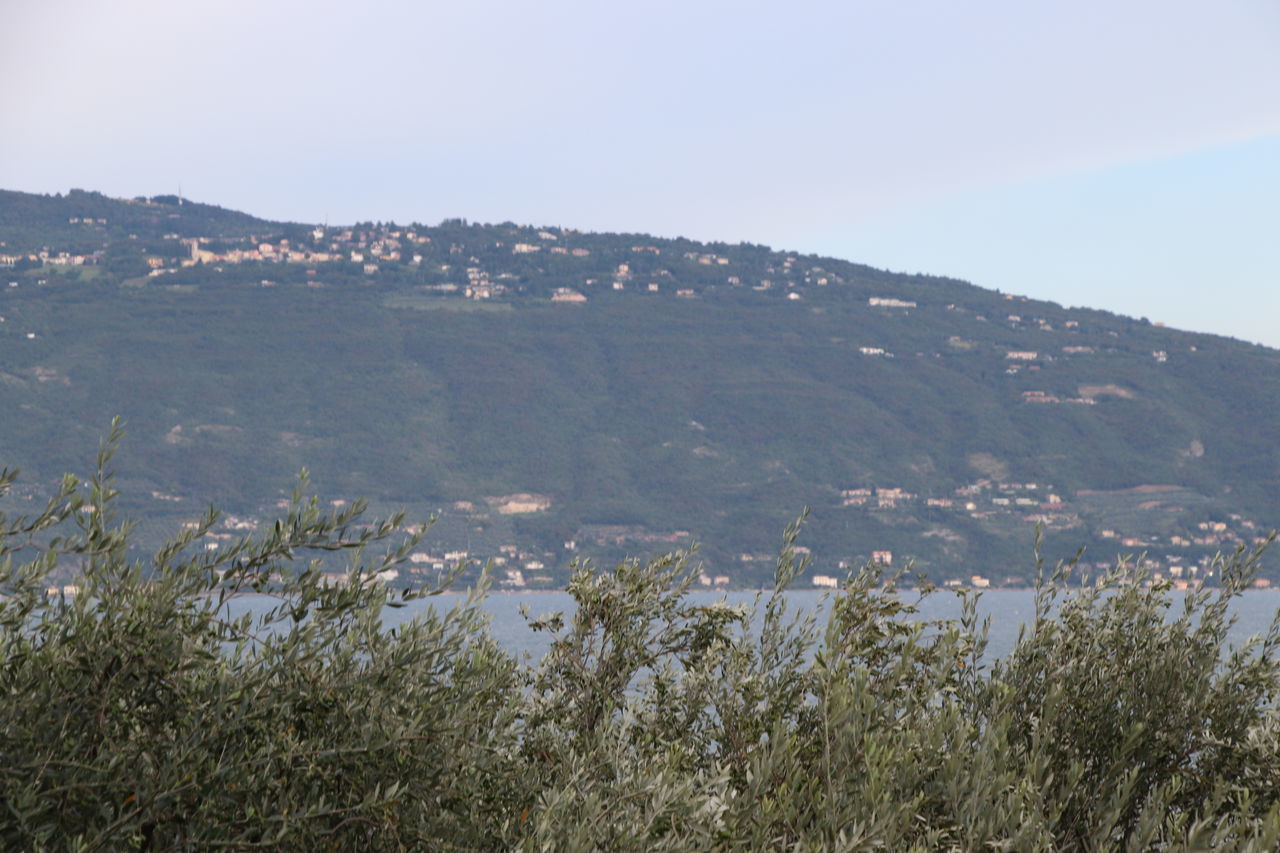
[646, 391]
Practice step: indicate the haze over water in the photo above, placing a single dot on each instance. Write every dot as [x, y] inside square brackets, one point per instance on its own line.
[1008, 610]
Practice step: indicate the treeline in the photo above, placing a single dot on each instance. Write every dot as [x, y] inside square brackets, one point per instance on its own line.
[140, 714]
[29, 222]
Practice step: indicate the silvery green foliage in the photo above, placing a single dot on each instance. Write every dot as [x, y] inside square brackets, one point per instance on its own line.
[138, 714]
[656, 724]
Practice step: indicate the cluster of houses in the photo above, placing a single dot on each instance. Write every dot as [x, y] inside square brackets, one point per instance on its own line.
[358, 247]
[1038, 503]
[515, 567]
[1182, 559]
[57, 259]
[375, 247]
[1046, 397]
[969, 498]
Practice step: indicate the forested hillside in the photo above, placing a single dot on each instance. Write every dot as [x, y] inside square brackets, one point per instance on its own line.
[552, 394]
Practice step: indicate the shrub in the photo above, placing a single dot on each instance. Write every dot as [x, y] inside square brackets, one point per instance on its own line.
[139, 713]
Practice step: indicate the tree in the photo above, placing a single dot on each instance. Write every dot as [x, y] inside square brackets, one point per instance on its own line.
[141, 712]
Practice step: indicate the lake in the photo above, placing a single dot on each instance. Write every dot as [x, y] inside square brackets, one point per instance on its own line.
[1008, 610]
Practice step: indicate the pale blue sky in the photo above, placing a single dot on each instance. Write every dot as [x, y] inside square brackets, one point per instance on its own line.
[1120, 155]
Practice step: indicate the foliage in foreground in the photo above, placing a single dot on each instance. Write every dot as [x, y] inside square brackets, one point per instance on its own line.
[141, 714]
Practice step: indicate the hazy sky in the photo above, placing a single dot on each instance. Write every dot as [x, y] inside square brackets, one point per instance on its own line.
[1120, 155]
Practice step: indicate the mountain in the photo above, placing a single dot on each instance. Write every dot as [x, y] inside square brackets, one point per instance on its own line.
[551, 393]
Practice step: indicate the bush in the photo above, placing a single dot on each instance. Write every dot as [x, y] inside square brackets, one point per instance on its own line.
[138, 713]
[141, 714]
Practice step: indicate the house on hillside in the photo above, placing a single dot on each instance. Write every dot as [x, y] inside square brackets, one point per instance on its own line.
[565, 294]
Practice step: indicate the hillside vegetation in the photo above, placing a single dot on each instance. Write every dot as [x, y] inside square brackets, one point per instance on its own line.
[648, 392]
[138, 714]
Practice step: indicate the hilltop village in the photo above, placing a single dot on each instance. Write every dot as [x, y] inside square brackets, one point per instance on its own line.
[462, 267]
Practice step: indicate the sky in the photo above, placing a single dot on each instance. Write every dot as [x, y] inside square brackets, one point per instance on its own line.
[1122, 155]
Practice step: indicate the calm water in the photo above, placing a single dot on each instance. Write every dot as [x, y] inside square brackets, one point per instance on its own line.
[1007, 609]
